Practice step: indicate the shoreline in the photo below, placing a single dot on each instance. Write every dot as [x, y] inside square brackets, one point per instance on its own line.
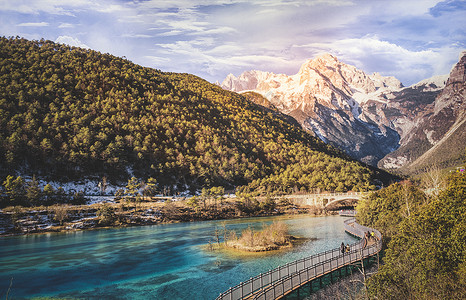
[127, 219]
[239, 252]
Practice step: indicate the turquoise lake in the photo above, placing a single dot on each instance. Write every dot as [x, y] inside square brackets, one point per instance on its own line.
[151, 262]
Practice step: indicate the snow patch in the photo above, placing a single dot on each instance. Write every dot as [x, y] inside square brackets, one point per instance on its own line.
[87, 186]
[432, 84]
[429, 135]
[394, 162]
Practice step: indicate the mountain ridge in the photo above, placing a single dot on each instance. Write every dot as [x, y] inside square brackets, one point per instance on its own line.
[323, 89]
[440, 126]
[367, 116]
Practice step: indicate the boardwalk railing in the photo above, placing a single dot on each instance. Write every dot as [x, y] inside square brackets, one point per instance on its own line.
[281, 280]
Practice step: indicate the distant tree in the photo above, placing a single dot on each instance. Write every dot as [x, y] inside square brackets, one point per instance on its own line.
[268, 204]
[60, 213]
[151, 187]
[78, 198]
[33, 191]
[193, 202]
[119, 193]
[106, 214]
[132, 187]
[103, 185]
[15, 190]
[49, 191]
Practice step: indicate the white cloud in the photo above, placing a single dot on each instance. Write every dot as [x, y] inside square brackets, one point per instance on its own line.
[110, 8]
[59, 7]
[47, 6]
[66, 25]
[171, 33]
[68, 40]
[374, 55]
[129, 35]
[219, 30]
[156, 60]
[38, 24]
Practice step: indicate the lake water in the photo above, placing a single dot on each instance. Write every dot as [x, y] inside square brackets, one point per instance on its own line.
[152, 262]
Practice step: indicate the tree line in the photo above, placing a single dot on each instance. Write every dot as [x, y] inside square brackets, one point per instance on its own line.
[16, 191]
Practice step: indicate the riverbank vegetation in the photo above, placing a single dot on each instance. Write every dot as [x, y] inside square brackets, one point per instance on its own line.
[425, 257]
[131, 211]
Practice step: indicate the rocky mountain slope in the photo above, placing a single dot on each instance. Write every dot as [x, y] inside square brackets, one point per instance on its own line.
[368, 116]
[439, 133]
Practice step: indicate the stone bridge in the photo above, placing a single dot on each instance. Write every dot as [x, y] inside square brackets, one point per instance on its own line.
[325, 200]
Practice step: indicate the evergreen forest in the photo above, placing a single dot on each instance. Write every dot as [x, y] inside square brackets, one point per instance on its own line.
[68, 113]
[425, 255]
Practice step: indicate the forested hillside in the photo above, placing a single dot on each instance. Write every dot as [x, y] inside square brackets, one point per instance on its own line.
[425, 255]
[68, 112]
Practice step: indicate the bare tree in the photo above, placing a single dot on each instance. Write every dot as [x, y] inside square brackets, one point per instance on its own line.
[407, 196]
[61, 213]
[433, 180]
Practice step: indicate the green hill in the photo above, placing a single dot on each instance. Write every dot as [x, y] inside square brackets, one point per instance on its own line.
[68, 113]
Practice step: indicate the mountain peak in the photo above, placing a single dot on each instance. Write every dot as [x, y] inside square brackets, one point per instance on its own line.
[320, 61]
[326, 57]
[323, 96]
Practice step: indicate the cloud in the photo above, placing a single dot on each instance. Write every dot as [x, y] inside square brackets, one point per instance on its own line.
[154, 60]
[211, 38]
[39, 24]
[66, 25]
[170, 33]
[47, 6]
[374, 55]
[219, 30]
[68, 40]
[447, 7]
[129, 35]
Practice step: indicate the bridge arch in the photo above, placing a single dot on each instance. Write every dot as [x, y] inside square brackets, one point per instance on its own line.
[325, 200]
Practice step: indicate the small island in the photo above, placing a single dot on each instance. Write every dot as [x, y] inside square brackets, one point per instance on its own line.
[272, 237]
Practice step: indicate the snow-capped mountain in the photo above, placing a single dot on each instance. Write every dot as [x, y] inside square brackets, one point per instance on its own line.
[368, 116]
[327, 96]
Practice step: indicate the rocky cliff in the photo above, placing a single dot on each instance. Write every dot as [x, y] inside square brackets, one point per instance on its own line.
[438, 134]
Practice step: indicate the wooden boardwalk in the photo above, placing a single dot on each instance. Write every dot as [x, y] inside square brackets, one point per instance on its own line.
[280, 281]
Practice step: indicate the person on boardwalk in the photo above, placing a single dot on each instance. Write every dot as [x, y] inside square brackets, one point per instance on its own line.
[347, 248]
[342, 248]
[373, 236]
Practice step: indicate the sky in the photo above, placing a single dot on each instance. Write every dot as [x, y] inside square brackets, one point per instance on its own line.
[411, 40]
